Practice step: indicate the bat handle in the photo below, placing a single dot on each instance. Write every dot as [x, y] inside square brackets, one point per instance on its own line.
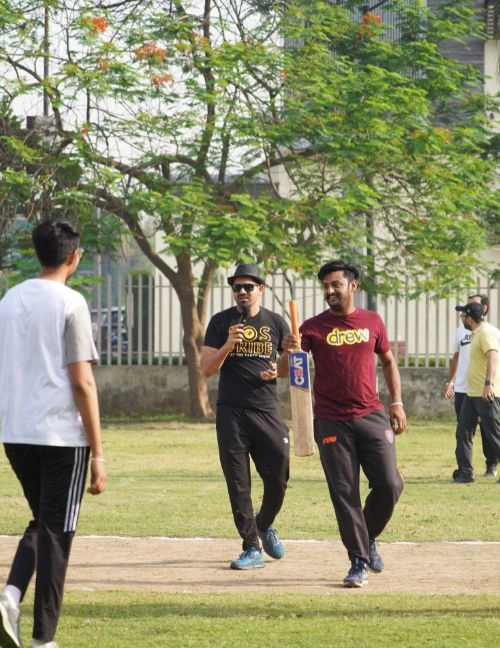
[294, 319]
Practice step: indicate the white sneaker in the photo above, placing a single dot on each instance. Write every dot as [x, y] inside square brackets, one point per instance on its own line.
[9, 623]
[48, 644]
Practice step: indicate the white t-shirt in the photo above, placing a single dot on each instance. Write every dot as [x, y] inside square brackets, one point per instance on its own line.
[463, 339]
[44, 326]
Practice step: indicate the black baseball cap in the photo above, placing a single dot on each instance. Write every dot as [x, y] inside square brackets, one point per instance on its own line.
[246, 270]
[474, 310]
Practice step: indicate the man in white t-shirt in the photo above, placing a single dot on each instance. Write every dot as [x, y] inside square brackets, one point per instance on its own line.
[482, 400]
[49, 424]
[457, 380]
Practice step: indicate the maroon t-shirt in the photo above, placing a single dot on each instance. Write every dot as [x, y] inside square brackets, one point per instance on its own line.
[343, 348]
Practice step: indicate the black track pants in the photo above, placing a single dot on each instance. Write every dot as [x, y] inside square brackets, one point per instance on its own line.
[344, 447]
[245, 433]
[53, 481]
[489, 450]
[473, 408]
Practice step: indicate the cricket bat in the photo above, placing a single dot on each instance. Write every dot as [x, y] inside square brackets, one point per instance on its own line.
[300, 394]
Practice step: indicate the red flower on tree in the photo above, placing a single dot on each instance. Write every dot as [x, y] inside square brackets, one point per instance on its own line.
[370, 20]
[160, 79]
[151, 51]
[443, 133]
[97, 24]
[103, 64]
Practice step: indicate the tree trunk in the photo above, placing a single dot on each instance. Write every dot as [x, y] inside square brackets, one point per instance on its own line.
[192, 313]
[199, 404]
[370, 260]
[193, 340]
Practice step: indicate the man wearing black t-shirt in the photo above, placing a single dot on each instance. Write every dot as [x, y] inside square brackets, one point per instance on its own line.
[242, 343]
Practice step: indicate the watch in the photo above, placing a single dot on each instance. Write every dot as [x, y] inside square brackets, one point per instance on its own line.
[487, 383]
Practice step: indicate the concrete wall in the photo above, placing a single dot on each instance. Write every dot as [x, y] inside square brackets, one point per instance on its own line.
[164, 390]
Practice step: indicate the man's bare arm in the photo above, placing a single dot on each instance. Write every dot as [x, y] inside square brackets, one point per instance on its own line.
[85, 394]
[393, 381]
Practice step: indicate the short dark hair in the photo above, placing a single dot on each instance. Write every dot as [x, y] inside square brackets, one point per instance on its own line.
[350, 271]
[54, 240]
[485, 301]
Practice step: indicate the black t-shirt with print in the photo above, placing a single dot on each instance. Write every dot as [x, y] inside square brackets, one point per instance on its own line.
[240, 384]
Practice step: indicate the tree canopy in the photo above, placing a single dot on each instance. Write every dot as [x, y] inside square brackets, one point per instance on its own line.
[234, 130]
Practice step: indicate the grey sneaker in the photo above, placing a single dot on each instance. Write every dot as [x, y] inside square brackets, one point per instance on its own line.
[9, 623]
[357, 576]
[376, 564]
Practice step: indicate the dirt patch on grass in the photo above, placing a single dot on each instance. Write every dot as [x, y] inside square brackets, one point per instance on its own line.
[309, 567]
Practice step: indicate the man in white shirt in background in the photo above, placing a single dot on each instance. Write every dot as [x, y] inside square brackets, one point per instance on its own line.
[456, 384]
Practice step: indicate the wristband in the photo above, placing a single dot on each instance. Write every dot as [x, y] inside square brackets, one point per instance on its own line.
[396, 403]
[97, 460]
[450, 382]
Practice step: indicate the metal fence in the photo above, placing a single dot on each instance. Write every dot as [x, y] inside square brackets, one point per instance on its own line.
[136, 319]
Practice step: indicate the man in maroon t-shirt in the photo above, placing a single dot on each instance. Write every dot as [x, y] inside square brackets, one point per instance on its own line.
[351, 427]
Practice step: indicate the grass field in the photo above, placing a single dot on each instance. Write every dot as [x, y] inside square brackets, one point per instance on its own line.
[146, 620]
[166, 480]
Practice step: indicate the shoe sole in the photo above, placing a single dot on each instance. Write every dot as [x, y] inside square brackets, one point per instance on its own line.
[351, 585]
[238, 568]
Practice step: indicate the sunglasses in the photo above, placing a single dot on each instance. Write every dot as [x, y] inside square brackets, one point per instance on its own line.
[247, 287]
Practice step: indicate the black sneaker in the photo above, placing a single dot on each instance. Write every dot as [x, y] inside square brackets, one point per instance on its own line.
[491, 471]
[357, 576]
[376, 564]
[459, 477]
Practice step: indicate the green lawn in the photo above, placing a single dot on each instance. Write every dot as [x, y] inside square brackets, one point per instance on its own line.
[119, 619]
[165, 479]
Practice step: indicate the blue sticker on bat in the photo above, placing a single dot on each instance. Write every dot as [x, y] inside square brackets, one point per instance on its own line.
[299, 369]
